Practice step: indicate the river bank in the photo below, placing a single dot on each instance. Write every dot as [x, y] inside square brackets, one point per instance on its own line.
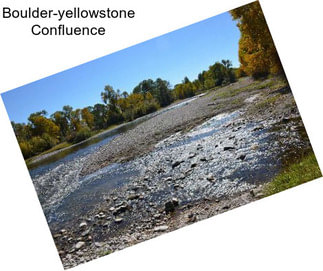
[189, 163]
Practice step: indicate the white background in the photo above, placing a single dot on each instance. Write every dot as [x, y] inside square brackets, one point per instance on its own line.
[283, 232]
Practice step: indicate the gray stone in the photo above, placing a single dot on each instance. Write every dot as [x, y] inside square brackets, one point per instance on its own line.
[79, 244]
[118, 219]
[83, 225]
[121, 209]
[210, 178]
[171, 205]
[133, 196]
[161, 228]
[241, 157]
[176, 163]
[85, 233]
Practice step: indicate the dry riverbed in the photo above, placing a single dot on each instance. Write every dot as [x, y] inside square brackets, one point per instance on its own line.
[192, 162]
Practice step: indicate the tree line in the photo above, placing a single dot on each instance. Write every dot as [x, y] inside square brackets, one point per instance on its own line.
[43, 132]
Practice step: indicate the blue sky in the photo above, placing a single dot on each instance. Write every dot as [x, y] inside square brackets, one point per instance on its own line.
[184, 52]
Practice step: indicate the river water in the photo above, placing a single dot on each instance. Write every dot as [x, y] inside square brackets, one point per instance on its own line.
[206, 167]
[62, 193]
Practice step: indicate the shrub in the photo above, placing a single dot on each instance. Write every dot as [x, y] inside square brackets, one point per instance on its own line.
[82, 134]
[38, 144]
[151, 107]
[51, 141]
[26, 149]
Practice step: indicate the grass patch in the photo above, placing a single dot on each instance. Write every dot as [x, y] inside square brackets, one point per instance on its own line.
[272, 84]
[237, 102]
[266, 103]
[298, 173]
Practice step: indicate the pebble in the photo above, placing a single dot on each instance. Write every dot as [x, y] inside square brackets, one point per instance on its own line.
[79, 244]
[161, 228]
[85, 233]
[118, 219]
[241, 157]
[83, 225]
[176, 163]
[210, 178]
[229, 148]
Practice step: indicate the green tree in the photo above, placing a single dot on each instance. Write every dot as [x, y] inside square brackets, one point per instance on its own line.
[110, 97]
[62, 122]
[100, 113]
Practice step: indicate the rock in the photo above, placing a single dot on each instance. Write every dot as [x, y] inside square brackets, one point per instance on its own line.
[231, 137]
[257, 193]
[216, 146]
[210, 178]
[157, 216]
[181, 176]
[199, 147]
[98, 244]
[229, 148]
[79, 244]
[57, 235]
[135, 188]
[203, 159]
[191, 155]
[85, 233]
[161, 228]
[118, 220]
[171, 205]
[226, 207]
[175, 202]
[112, 209]
[168, 179]
[121, 209]
[285, 120]
[257, 128]
[63, 231]
[241, 157]
[193, 165]
[83, 225]
[192, 218]
[176, 163]
[254, 147]
[100, 215]
[133, 196]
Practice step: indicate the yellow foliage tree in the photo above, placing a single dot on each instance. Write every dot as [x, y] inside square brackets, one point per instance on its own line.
[257, 53]
[88, 117]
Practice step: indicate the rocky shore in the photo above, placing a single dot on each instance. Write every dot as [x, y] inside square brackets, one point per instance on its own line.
[194, 161]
